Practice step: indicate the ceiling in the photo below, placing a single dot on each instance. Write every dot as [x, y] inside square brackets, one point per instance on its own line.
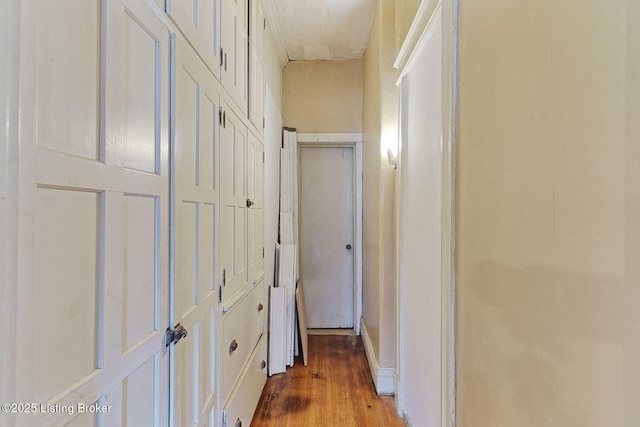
[325, 29]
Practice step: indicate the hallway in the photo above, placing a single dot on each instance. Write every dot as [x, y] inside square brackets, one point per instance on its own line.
[495, 243]
[334, 389]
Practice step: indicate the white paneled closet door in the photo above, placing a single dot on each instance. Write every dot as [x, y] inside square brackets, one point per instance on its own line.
[233, 215]
[94, 179]
[196, 149]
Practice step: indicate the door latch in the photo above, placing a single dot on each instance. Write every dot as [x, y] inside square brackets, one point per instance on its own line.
[174, 335]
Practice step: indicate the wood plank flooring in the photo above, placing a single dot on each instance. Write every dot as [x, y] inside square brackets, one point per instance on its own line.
[335, 389]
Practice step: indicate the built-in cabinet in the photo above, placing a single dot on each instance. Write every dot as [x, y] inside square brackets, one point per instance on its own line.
[256, 77]
[140, 212]
[219, 32]
[219, 234]
[234, 50]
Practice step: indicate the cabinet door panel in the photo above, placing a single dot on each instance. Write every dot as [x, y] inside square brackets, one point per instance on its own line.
[255, 226]
[235, 47]
[199, 21]
[93, 204]
[256, 55]
[233, 215]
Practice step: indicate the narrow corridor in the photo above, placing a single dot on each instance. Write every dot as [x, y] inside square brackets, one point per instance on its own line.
[335, 389]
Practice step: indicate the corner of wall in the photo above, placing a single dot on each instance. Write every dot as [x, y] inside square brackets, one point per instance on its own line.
[383, 377]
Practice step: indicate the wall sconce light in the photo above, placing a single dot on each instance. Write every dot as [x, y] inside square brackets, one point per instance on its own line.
[393, 158]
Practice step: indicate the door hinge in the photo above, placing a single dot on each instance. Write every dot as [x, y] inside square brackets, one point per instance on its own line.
[174, 335]
[220, 116]
[219, 293]
[263, 252]
[224, 277]
[224, 119]
[263, 157]
[263, 123]
[264, 21]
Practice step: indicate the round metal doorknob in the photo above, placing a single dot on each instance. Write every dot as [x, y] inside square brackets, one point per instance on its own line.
[348, 247]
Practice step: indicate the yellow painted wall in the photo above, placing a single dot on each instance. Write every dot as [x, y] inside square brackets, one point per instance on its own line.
[405, 11]
[323, 96]
[548, 218]
[380, 110]
[371, 105]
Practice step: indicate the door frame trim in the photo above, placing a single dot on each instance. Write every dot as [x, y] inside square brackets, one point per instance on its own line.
[325, 140]
[9, 186]
[428, 17]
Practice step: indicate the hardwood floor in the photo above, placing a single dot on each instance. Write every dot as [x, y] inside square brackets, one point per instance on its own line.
[335, 389]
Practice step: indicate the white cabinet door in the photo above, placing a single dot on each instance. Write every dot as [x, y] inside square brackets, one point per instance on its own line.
[256, 93]
[258, 27]
[256, 76]
[199, 21]
[255, 212]
[93, 203]
[196, 149]
[233, 214]
[235, 51]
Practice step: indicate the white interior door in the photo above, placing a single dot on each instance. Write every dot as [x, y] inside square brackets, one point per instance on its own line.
[196, 150]
[327, 235]
[93, 257]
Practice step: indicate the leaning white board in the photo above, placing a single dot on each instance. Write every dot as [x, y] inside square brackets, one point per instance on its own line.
[286, 228]
[302, 323]
[285, 180]
[287, 280]
[277, 328]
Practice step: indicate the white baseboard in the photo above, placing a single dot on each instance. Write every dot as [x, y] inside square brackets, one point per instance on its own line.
[383, 377]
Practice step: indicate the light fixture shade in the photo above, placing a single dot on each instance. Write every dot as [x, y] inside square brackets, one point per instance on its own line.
[393, 158]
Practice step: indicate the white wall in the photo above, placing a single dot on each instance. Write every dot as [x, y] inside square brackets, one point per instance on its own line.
[272, 144]
[420, 238]
[272, 68]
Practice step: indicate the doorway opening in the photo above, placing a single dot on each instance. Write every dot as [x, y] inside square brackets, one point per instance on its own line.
[330, 194]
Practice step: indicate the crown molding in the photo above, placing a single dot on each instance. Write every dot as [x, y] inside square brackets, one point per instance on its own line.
[427, 18]
[276, 30]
